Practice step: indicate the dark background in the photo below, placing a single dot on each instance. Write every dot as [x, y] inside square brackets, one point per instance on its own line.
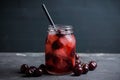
[23, 24]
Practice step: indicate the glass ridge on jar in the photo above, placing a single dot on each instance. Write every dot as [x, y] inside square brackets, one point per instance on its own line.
[60, 49]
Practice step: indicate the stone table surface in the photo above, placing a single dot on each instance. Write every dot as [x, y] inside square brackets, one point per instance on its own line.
[108, 66]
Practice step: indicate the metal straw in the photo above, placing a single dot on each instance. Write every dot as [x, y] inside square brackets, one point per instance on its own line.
[48, 16]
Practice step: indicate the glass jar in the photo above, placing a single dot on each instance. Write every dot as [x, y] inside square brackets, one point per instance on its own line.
[60, 49]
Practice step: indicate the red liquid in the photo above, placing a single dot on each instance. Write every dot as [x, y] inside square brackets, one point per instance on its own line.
[60, 53]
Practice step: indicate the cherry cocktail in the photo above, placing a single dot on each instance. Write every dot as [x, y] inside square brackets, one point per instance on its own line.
[60, 49]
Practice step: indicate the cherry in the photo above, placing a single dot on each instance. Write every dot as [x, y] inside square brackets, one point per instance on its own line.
[43, 67]
[23, 68]
[57, 44]
[77, 56]
[59, 34]
[77, 70]
[77, 62]
[92, 65]
[76, 66]
[38, 72]
[29, 72]
[33, 68]
[85, 68]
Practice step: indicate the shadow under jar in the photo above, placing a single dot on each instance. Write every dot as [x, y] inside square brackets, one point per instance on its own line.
[60, 49]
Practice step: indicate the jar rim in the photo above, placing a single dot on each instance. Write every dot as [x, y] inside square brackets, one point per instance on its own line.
[63, 29]
[60, 26]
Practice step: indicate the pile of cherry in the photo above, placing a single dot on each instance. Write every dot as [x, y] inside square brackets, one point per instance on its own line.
[80, 68]
[83, 68]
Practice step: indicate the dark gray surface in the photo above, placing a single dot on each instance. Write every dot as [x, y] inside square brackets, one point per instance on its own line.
[108, 67]
[23, 24]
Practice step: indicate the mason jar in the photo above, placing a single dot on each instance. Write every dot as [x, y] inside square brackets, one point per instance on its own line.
[60, 48]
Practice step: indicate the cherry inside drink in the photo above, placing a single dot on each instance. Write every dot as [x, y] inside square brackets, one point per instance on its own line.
[60, 48]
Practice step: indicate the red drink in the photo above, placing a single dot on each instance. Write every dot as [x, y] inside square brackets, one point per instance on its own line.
[60, 50]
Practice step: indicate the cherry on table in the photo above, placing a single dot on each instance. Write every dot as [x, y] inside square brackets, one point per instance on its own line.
[85, 68]
[77, 70]
[29, 72]
[92, 65]
[77, 62]
[23, 68]
[38, 72]
[77, 56]
[43, 67]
